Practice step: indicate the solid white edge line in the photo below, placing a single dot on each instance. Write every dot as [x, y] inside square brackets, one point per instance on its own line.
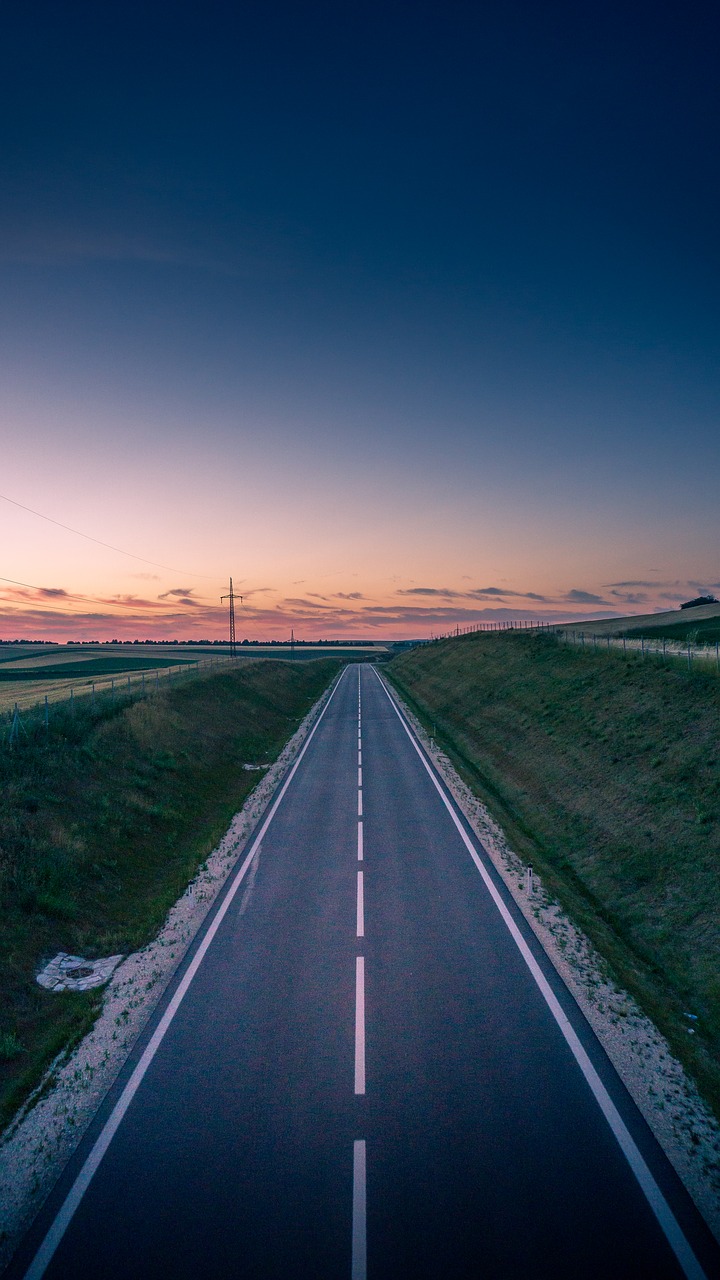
[359, 1212]
[659, 1205]
[360, 1024]
[60, 1224]
[360, 841]
[360, 914]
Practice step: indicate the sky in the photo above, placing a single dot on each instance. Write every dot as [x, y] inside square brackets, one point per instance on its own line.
[403, 315]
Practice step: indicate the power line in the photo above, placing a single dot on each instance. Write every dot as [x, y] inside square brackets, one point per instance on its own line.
[231, 598]
[108, 545]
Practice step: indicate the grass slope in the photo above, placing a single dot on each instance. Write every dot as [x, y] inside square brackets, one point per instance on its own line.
[604, 772]
[102, 827]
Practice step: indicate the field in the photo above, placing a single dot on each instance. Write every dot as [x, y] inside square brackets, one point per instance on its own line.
[701, 623]
[29, 673]
[604, 772]
[106, 818]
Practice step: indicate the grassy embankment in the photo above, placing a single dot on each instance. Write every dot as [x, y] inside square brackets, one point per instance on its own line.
[102, 827]
[604, 772]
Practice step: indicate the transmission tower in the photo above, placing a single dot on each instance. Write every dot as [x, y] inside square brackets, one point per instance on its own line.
[231, 598]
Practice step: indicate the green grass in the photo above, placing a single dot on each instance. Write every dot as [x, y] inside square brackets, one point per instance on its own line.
[91, 667]
[103, 825]
[605, 775]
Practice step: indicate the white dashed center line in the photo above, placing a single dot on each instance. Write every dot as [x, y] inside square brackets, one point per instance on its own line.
[359, 1234]
[360, 906]
[360, 1024]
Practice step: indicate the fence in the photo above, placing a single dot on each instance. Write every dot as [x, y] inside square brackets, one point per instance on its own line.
[95, 698]
[686, 651]
[673, 650]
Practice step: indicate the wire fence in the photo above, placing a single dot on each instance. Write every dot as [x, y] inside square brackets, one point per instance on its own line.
[690, 652]
[94, 699]
[686, 651]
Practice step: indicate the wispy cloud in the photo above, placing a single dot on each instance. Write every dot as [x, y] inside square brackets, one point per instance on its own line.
[576, 596]
[476, 593]
[263, 257]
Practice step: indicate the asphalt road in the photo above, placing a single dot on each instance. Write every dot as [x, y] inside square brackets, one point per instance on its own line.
[367, 1067]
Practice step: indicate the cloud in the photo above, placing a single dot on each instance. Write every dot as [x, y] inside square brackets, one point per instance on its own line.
[630, 597]
[176, 591]
[639, 583]
[445, 592]
[301, 603]
[576, 596]
[260, 257]
[349, 595]
[477, 593]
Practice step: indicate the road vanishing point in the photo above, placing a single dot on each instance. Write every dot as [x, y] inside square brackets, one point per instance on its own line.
[367, 1067]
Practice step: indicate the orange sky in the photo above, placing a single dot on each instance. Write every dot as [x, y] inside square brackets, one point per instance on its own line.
[354, 563]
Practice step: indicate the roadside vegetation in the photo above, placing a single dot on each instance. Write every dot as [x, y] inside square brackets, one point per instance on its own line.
[104, 821]
[604, 772]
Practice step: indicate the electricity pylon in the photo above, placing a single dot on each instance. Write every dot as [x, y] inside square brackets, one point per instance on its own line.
[231, 598]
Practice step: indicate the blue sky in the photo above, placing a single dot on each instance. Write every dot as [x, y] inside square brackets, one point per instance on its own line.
[377, 299]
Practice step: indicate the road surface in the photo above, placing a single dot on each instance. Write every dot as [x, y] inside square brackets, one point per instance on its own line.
[367, 1067]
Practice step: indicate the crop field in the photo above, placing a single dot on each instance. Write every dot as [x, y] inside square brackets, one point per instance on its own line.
[675, 624]
[31, 673]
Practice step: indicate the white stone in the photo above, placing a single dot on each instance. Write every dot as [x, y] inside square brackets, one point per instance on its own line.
[73, 973]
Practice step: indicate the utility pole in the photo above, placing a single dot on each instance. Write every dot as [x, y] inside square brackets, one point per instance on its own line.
[231, 598]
